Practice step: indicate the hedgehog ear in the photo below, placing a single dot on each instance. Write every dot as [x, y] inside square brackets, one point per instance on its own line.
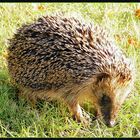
[101, 76]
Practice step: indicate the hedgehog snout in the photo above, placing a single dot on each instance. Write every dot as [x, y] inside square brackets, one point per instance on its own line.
[106, 109]
[110, 123]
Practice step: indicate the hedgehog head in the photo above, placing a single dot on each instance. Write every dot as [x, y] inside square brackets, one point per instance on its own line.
[110, 91]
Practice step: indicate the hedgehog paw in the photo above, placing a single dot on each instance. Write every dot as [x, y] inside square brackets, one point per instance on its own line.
[81, 116]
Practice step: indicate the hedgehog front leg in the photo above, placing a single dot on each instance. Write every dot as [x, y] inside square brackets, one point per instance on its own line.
[97, 113]
[77, 114]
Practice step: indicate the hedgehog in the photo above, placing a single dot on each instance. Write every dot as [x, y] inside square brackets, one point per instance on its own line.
[64, 59]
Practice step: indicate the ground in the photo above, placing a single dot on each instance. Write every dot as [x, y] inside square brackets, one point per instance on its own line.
[19, 119]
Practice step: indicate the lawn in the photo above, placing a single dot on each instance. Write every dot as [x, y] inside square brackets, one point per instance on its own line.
[52, 119]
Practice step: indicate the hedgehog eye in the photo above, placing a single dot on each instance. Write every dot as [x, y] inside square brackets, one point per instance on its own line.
[105, 100]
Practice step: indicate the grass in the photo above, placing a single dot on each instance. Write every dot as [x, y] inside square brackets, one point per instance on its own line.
[18, 119]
